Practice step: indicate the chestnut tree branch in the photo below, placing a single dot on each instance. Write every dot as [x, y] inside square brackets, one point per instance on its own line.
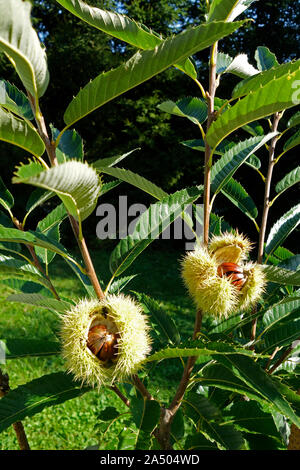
[266, 206]
[284, 356]
[118, 392]
[207, 158]
[51, 152]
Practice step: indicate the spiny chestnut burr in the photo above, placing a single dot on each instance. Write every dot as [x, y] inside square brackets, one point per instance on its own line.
[234, 272]
[102, 343]
[220, 279]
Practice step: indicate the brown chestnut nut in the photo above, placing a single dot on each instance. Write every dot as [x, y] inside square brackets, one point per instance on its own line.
[102, 343]
[234, 272]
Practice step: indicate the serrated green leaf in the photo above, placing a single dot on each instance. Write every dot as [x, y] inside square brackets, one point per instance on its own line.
[37, 198]
[18, 132]
[196, 348]
[249, 416]
[40, 301]
[20, 269]
[56, 216]
[282, 228]
[292, 142]
[204, 413]
[254, 128]
[150, 224]
[21, 347]
[136, 180]
[254, 376]
[279, 312]
[265, 59]
[260, 80]
[35, 396]
[283, 335]
[161, 320]
[276, 95]
[14, 100]
[225, 435]
[217, 375]
[293, 177]
[283, 253]
[235, 192]
[123, 28]
[281, 276]
[111, 161]
[194, 109]
[227, 10]
[197, 408]
[143, 66]
[77, 184]
[27, 287]
[227, 165]
[106, 187]
[19, 41]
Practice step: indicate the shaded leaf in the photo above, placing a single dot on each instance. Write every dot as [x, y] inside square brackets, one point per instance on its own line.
[111, 161]
[14, 100]
[235, 192]
[194, 109]
[40, 301]
[255, 377]
[265, 59]
[22, 347]
[293, 177]
[35, 396]
[6, 198]
[159, 318]
[70, 146]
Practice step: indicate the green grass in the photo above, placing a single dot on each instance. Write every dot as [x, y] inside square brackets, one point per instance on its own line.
[74, 424]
